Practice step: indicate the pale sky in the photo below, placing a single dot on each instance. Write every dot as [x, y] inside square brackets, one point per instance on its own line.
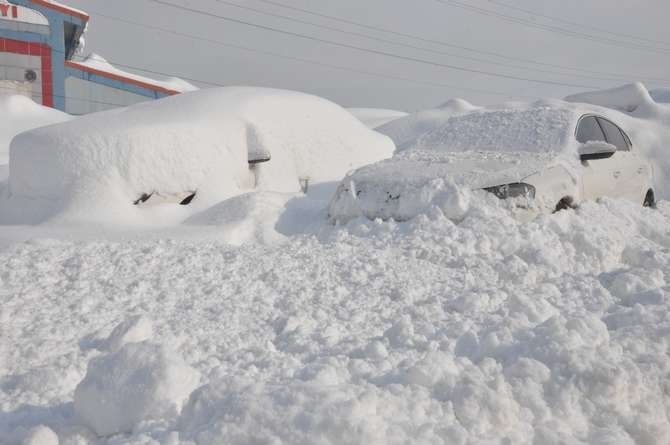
[614, 41]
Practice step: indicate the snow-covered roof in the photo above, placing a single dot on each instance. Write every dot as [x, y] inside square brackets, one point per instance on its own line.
[56, 6]
[98, 65]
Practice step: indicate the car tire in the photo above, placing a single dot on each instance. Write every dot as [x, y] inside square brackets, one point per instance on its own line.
[649, 199]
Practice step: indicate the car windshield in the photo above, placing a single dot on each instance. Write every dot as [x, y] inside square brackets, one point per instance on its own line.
[539, 129]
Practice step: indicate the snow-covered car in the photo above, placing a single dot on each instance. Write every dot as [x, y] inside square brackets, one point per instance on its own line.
[547, 156]
[138, 164]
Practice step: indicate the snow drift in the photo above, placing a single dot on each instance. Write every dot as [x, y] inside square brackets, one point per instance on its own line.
[140, 382]
[486, 331]
[96, 166]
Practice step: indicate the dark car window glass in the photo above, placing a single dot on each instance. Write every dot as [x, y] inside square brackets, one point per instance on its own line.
[589, 130]
[613, 134]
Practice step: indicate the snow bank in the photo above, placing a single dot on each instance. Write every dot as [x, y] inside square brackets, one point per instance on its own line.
[375, 117]
[626, 98]
[20, 114]
[140, 382]
[486, 331]
[94, 168]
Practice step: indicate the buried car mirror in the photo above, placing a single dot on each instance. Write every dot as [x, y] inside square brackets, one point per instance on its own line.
[258, 156]
[596, 150]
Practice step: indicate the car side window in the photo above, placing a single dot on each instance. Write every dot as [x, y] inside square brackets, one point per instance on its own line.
[614, 135]
[589, 130]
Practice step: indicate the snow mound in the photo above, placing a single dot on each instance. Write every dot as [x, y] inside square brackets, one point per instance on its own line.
[376, 117]
[246, 218]
[94, 168]
[19, 114]
[140, 382]
[41, 435]
[626, 98]
[457, 105]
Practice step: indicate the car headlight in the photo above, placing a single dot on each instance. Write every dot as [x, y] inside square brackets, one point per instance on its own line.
[515, 190]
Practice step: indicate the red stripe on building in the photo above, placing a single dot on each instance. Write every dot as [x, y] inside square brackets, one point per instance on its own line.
[34, 49]
[120, 78]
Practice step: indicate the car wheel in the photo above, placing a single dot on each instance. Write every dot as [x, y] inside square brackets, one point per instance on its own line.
[566, 203]
[650, 199]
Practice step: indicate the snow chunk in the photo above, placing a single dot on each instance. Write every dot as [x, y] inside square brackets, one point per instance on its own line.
[627, 98]
[134, 330]
[141, 381]
[41, 435]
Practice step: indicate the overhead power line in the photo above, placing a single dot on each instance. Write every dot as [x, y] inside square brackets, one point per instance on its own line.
[566, 32]
[460, 47]
[288, 57]
[369, 50]
[406, 45]
[580, 25]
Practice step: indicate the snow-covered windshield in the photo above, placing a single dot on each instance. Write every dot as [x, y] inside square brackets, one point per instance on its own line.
[535, 129]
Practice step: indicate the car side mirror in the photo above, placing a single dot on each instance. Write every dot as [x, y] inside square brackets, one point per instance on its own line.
[596, 150]
[258, 156]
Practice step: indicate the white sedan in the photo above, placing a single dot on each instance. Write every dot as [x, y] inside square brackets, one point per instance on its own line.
[550, 157]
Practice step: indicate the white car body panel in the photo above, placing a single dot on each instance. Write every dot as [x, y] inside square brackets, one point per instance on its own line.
[477, 152]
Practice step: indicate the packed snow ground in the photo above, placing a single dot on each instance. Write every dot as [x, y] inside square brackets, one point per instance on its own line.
[483, 331]
[553, 331]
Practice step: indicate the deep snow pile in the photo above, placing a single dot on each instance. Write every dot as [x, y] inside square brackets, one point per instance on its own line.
[18, 114]
[486, 331]
[95, 167]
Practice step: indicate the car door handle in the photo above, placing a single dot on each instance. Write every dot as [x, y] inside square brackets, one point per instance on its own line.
[616, 174]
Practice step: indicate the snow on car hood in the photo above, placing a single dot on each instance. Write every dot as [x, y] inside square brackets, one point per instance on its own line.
[412, 181]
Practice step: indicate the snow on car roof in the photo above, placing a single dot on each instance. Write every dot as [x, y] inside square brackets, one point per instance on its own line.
[539, 127]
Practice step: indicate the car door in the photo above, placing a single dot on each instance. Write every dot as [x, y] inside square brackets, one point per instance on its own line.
[599, 176]
[631, 171]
